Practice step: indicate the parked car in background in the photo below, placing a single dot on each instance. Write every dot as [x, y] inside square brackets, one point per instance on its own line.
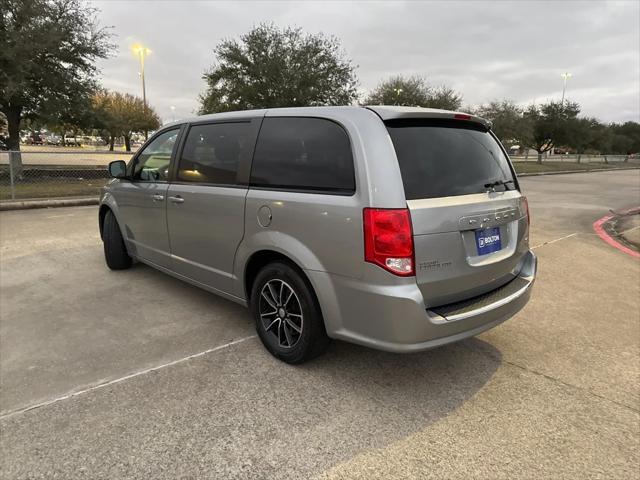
[34, 138]
[563, 151]
[53, 139]
[397, 228]
[84, 140]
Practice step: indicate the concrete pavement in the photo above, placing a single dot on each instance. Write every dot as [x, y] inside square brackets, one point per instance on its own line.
[554, 392]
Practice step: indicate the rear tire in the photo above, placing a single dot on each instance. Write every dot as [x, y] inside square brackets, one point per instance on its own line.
[115, 252]
[287, 315]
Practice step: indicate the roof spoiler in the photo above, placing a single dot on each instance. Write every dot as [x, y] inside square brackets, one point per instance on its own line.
[392, 112]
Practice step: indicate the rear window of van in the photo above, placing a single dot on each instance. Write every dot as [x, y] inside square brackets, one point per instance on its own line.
[442, 158]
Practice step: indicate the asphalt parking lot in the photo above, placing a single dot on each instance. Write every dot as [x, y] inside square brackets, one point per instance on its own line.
[113, 363]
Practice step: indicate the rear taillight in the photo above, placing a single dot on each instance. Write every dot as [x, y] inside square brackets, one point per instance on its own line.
[388, 240]
[526, 206]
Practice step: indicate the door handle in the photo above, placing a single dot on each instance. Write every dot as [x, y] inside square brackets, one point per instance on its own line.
[176, 199]
[157, 198]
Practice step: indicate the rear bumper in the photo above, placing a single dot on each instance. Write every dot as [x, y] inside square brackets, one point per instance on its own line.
[395, 318]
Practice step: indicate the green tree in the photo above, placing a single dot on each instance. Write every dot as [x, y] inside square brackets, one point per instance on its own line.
[550, 124]
[509, 123]
[582, 134]
[47, 54]
[398, 90]
[413, 91]
[602, 140]
[120, 115]
[270, 67]
[620, 144]
[444, 98]
[627, 137]
[69, 115]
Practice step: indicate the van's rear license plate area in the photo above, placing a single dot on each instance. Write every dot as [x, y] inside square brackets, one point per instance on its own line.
[488, 240]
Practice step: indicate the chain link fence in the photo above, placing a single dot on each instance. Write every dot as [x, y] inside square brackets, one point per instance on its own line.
[59, 173]
[38, 174]
[575, 158]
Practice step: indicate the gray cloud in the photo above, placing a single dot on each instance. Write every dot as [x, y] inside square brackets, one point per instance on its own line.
[486, 50]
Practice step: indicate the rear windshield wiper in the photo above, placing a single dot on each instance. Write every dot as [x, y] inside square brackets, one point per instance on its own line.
[497, 183]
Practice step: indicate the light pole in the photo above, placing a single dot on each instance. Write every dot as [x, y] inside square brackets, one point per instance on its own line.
[398, 92]
[565, 76]
[142, 52]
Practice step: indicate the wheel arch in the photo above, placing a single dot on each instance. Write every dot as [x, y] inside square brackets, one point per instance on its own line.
[260, 259]
[102, 213]
[108, 203]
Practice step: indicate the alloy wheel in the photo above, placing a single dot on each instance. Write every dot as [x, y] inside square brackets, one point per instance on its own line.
[281, 312]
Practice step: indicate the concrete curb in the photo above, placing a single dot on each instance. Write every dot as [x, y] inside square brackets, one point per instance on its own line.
[48, 203]
[563, 172]
[605, 228]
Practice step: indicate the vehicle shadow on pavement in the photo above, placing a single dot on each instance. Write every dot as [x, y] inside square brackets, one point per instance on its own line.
[443, 376]
[360, 399]
[391, 396]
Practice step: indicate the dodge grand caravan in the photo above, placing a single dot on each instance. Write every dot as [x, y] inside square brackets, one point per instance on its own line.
[392, 227]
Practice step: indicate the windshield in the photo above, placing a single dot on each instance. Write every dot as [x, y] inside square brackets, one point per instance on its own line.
[441, 158]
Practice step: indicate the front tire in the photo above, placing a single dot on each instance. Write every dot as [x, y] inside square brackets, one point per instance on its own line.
[115, 252]
[287, 315]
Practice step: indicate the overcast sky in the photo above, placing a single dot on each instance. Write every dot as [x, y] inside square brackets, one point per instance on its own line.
[485, 50]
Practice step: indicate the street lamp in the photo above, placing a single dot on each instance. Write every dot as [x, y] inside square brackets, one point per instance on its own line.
[398, 92]
[565, 76]
[142, 52]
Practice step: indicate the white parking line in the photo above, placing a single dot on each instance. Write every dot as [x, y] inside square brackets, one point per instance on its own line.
[554, 241]
[121, 379]
[59, 216]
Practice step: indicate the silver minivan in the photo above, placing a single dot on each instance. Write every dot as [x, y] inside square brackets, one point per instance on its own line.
[397, 228]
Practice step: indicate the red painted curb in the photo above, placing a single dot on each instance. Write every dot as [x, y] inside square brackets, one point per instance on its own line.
[598, 227]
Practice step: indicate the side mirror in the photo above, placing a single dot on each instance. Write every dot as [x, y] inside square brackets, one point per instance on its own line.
[118, 169]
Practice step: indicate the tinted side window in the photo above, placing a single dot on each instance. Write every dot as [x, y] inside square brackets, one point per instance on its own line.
[440, 158]
[212, 153]
[303, 154]
[152, 165]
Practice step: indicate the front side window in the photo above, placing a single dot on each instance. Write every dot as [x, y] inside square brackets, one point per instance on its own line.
[152, 165]
[303, 154]
[212, 152]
